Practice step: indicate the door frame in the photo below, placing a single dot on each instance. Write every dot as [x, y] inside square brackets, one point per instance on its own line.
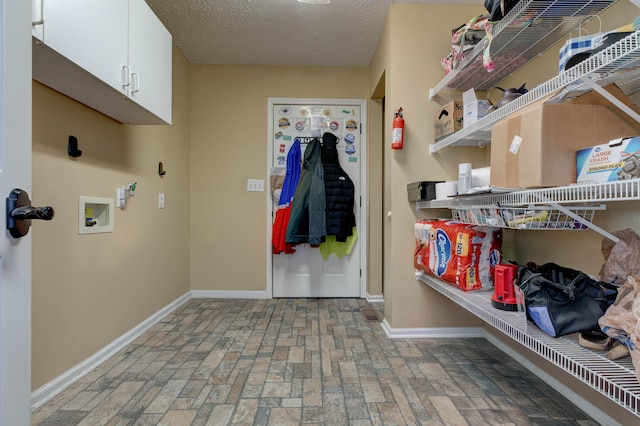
[363, 229]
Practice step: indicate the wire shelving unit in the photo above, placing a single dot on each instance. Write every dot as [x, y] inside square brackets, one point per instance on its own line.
[619, 63]
[614, 379]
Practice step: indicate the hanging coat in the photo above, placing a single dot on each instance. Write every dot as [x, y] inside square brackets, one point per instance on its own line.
[307, 221]
[339, 191]
[293, 174]
[281, 221]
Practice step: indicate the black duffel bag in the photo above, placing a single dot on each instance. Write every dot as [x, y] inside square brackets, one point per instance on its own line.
[499, 8]
[561, 300]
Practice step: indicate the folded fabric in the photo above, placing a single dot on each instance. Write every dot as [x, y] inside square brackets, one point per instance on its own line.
[340, 249]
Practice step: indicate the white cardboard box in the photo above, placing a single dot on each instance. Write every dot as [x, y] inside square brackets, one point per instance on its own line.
[474, 109]
[617, 160]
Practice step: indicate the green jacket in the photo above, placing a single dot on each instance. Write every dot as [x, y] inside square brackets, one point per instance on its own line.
[307, 223]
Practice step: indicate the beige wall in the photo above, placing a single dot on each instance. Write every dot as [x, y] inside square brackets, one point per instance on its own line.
[229, 146]
[89, 290]
[409, 61]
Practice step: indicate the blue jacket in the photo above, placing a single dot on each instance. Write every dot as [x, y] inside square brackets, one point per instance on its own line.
[293, 174]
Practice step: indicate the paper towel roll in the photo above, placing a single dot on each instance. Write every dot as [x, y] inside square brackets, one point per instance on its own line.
[481, 177]
[445, 189]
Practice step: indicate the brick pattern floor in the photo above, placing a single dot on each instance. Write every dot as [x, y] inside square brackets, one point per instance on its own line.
[303, 361]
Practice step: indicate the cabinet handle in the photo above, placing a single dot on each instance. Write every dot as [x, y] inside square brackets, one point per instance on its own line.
[41, 20]
[125, 76]
[135, 82]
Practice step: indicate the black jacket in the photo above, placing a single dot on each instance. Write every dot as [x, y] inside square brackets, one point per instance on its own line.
[339, 191]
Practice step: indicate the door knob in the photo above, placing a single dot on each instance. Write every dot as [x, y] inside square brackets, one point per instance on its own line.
[20, 213]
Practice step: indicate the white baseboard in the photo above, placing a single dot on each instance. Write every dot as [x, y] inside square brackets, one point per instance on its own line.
[593, 411]
[432, 332]
[228, 294]
[44, 393]
[375, 298]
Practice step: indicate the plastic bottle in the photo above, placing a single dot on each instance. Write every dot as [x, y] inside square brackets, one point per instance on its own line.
[464, 178]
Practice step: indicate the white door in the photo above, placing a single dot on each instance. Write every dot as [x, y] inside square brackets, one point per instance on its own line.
[15, 172]
[305, 273]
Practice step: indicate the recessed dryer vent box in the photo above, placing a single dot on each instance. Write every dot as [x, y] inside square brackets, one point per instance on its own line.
[95, 215]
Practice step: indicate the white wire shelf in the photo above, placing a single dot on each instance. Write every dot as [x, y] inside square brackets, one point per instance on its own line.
[529, 29]
[621, 190]
[614, 379]
[619, 62]
[532, 217]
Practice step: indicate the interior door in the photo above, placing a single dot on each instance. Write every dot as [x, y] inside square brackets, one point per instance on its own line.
[15, 172]
[305, 273]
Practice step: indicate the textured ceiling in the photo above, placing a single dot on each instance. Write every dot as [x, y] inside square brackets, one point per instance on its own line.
[278, 32]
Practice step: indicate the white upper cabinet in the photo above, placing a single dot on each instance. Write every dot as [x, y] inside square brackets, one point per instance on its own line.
[92, 34]
[37, 28]
[149, 60]
[96, 51]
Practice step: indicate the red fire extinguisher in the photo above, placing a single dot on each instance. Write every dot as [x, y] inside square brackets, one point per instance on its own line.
[397, 136]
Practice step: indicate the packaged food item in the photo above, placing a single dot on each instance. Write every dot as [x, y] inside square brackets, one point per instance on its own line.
[457, 253]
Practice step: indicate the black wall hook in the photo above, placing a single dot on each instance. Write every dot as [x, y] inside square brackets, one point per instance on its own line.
[72, 148]
[161, 170]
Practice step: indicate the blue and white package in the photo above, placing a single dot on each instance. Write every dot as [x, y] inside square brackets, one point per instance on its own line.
[617, 160]
[577, 45]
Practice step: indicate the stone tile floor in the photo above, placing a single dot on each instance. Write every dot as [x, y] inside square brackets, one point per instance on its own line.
[303, 361]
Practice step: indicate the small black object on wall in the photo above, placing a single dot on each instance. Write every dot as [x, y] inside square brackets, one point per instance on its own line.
[161, 170]
[72, 148]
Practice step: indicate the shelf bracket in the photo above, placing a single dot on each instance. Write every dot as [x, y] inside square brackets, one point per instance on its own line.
[585, 222]
[608, 96]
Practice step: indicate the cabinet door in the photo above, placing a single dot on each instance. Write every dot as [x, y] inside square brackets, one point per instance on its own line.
[37, 24]
[90, 33]
[150, 48]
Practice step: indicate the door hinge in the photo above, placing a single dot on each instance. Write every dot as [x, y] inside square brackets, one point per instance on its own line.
[360, 201]
[360, 273]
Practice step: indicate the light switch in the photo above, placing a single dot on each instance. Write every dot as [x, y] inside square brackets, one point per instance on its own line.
[255, 185]
[161, 200]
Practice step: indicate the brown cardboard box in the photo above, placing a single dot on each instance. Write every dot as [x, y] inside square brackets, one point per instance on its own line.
[550, 136]
[595, 98]
[448, 119]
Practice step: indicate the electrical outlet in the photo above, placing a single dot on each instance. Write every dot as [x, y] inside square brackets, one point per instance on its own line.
[121, 197]
[161, 200]
[255, 185]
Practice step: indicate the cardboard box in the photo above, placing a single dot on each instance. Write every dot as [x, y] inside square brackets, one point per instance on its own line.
[474, 109]
[616, 160]
[536, 146]
[448, 119]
